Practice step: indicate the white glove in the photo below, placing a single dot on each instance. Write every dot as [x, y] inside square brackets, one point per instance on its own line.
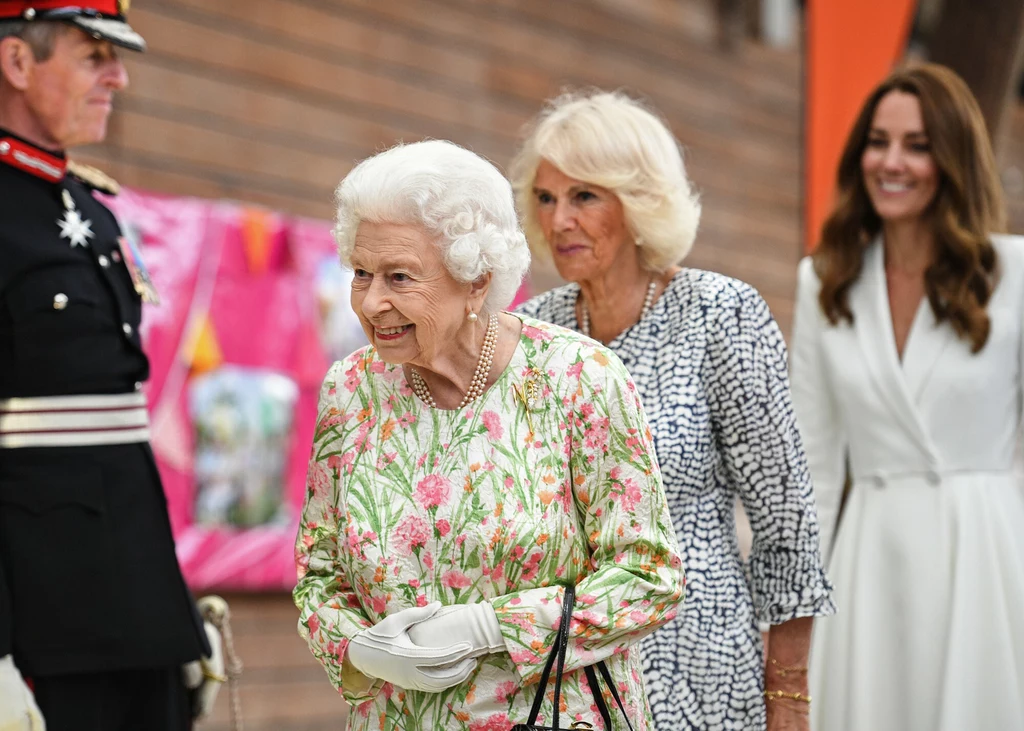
[458, 624]
[18, 709]
[385, 651]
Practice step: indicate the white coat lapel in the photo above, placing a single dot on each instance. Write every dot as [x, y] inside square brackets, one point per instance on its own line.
[927, 340]
[872, 322]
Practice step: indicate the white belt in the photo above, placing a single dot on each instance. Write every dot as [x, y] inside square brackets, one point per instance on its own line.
[74, 421]
[934, 477]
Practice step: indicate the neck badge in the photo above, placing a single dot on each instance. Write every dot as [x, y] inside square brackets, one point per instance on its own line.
[73, 226]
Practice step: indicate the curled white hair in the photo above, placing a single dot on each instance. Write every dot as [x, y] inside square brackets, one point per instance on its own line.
[461, 200]
[610, 140]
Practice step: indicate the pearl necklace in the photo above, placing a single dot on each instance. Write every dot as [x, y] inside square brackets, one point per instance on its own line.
[648, 302]
[479, 382]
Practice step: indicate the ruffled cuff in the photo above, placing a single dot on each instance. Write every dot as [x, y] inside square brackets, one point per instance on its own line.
[789, 584]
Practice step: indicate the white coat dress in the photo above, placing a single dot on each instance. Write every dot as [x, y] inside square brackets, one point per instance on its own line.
[928, 559]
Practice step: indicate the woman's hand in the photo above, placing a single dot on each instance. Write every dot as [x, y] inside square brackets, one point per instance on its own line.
[785, 676]
[385, 651]
[473, 624]
[788, 715]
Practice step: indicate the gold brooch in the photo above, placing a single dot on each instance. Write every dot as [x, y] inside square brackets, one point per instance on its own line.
[528, 395]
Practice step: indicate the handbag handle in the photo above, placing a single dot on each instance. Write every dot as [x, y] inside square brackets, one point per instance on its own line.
[557, 656]
[558, 653]
[595, 689]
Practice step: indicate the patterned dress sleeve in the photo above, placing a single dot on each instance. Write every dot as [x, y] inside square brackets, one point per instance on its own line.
[634, 580]
[330, 613]
[762, 453]
[816, 411]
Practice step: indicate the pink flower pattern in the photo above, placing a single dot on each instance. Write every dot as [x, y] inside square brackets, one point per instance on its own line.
[455, 579]
[411, 534]
[432, 491]
[492, 422]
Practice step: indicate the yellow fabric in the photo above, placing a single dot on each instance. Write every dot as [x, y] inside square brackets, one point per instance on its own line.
[206, 353]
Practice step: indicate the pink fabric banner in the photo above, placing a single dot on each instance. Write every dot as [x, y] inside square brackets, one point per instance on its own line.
[262, 315]
[254, 308]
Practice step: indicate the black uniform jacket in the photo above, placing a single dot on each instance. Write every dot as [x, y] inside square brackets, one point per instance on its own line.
[89, 580]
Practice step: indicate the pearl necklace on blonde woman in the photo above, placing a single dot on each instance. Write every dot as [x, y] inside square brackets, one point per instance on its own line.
[648, 303]
[483, 369]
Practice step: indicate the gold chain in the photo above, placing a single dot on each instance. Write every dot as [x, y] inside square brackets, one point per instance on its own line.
[774, 695]
[783, 671]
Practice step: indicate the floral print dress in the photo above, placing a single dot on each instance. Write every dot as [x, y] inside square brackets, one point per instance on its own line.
[548, 478]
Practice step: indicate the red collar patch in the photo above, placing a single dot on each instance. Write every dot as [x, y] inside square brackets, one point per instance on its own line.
[32, 160]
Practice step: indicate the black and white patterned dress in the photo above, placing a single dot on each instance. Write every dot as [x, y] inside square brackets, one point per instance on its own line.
[710, 363]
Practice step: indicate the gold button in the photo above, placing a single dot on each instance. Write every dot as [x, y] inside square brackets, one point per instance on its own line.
[60, 301]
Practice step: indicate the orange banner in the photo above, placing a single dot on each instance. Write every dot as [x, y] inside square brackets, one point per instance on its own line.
[257, 225]
[851, 46]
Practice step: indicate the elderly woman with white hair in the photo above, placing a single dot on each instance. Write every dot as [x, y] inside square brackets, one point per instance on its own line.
[469, 466]
[601, 186]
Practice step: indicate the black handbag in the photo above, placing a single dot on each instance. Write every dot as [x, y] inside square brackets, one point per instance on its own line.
[557, 657]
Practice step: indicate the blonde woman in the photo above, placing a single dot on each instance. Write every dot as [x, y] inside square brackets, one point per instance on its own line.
[602, 189]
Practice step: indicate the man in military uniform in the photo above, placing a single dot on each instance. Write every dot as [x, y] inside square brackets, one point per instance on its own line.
[93, 607]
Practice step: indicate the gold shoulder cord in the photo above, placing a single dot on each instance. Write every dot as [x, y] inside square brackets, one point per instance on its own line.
[93, 177]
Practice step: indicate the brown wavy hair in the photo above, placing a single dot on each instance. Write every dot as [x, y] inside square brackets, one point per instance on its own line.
[968, 206]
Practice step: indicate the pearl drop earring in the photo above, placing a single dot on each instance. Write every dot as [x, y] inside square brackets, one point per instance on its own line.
[472, 317]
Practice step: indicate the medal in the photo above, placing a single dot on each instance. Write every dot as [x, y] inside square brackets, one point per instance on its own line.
[73, 226]
[137, 270]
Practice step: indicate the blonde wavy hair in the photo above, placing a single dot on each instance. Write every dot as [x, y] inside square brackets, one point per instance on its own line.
[613, 141]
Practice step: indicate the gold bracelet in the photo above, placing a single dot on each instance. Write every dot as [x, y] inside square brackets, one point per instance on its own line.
[774, 695]
[783, 671]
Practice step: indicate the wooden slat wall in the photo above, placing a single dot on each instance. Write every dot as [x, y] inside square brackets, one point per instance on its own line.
[271, 101]
[1012, 164]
